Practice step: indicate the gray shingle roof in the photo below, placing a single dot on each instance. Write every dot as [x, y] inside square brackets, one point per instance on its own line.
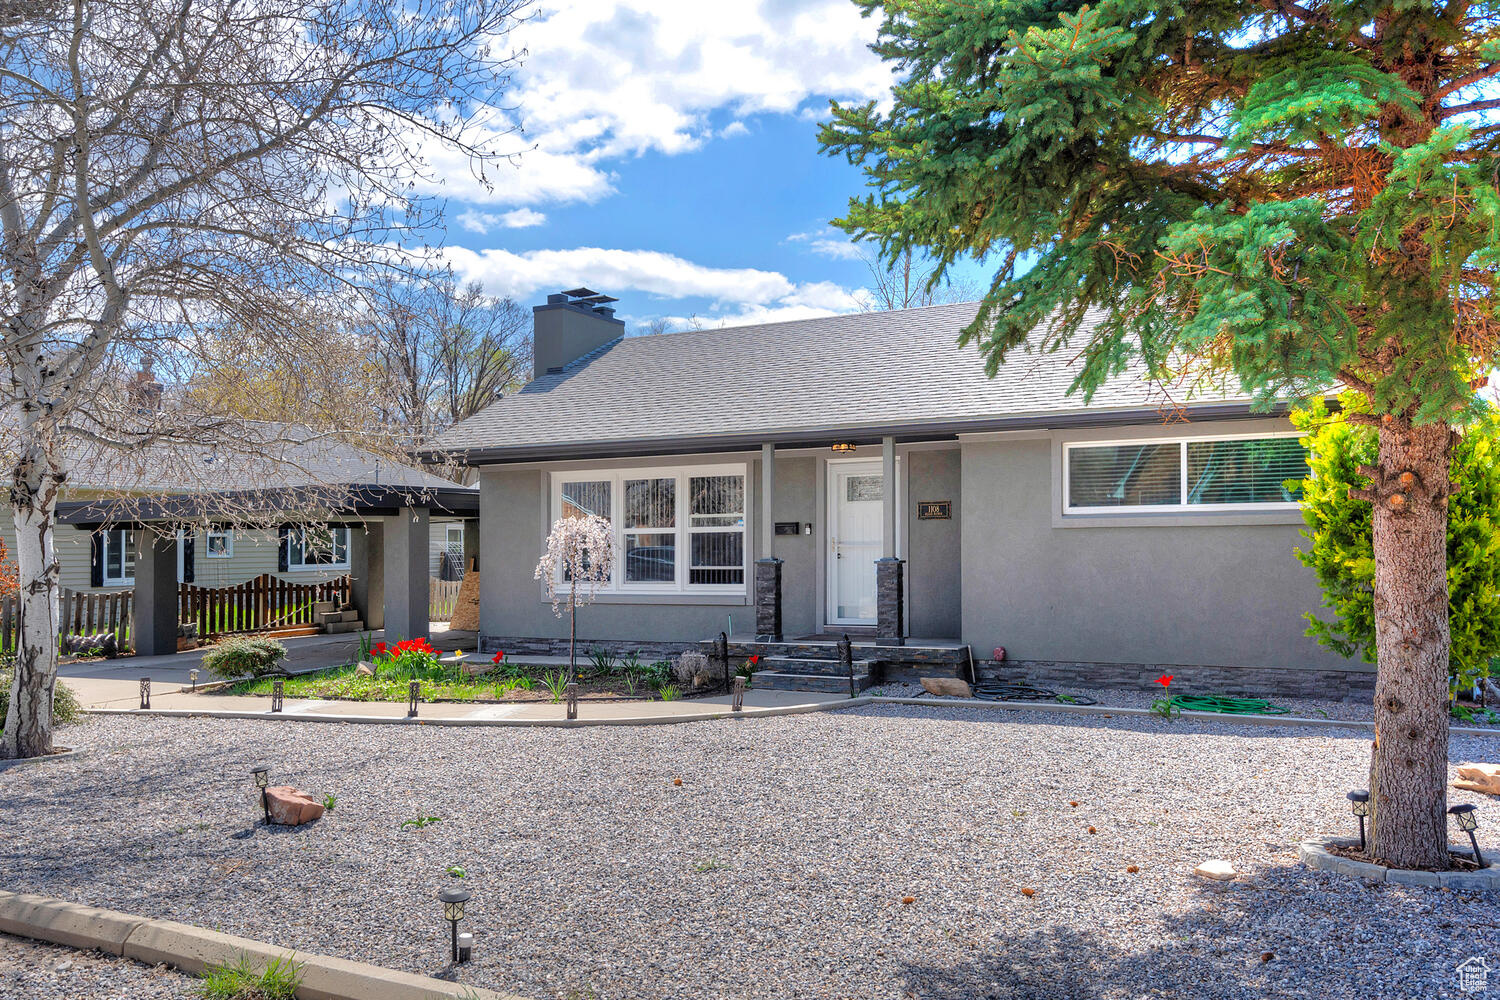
[881, 372]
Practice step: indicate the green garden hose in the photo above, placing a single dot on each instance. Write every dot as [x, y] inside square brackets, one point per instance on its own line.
[1226, 705]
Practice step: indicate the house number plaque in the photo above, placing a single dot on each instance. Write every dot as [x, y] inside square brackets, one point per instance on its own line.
[934, 510]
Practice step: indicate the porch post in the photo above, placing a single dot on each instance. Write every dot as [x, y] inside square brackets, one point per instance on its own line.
[890, 622]
[407, 591]
[367, 570]
[767, 567]
[154, 626]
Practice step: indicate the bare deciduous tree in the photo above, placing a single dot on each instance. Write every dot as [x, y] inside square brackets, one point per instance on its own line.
[174, 166]
[907, 283]
[445, 351]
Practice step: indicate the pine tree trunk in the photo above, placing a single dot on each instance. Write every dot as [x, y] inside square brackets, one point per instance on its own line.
[1409, 764]
[28, 724]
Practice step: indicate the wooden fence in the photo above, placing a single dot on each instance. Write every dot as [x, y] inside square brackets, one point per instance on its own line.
[443, 595]
[266, 602]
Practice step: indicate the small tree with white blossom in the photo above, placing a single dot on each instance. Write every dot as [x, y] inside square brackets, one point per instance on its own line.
[580, 552]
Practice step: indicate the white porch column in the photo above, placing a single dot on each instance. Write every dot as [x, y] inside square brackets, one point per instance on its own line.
[767, 494]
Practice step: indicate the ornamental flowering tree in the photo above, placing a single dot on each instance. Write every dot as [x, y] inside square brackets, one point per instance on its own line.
[580, 552]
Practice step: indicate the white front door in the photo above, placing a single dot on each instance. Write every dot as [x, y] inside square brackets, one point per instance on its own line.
[856, 493]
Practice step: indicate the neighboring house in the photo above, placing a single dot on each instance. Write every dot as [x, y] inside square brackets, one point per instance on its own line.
[860, 474]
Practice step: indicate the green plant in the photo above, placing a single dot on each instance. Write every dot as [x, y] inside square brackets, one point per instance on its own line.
[631, 681]
[669, 692]
[456, 871]
[421, 822]
[1165, 706]
[1341, 550]
[657, 674]
[278, 980]
[241, 657]
[1473, 713]
[557, 684]
[709, 865]
[329, 801]
[603, 660]
[65, 706]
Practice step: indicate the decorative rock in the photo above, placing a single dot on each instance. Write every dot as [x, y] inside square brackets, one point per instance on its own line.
[1479, 778]
[947, 687]
[291, 806]
[1217, 869]
[365, 668]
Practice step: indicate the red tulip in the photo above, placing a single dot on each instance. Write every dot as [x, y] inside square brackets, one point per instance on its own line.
[498, 657]
[1165, 680]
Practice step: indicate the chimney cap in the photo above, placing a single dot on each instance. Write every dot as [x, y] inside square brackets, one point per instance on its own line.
[588, 297]
[579, 292]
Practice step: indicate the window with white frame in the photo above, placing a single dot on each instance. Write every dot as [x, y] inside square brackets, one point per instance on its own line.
[1245, 472]
[677, 530]
[318, 547]
[119, 558]
[218, 543]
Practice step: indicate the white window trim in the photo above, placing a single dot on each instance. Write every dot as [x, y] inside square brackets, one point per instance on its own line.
[683, 529]
[306, 567]
[1177, 508]
[208, 551]
[116, 581]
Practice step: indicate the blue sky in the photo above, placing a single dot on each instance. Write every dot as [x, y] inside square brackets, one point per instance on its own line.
[675, 162]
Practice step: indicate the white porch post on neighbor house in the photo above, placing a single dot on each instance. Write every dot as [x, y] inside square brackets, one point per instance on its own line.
[407, 590]
[767, 567]
[890, 625]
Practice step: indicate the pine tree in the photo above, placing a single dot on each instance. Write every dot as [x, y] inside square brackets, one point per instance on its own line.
[1300, 195]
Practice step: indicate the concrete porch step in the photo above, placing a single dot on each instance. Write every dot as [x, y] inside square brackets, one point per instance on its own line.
[775, 680]
[340, 627]
[816, 666]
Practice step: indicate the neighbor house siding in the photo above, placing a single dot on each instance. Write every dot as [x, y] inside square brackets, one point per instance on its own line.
[1193, 590]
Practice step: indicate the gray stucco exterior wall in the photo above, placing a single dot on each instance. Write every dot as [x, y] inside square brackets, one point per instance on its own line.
[934, 548]
[1180, 591]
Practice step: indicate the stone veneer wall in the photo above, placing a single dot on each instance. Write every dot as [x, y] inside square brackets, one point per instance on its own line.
[1261, 682]
[520, 646]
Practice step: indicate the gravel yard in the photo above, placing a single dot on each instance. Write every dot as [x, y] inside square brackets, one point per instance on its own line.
[30, 969]
[778, 868]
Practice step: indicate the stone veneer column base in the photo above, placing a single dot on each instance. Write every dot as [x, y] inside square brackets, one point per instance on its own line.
[890, 603]
[768, 600]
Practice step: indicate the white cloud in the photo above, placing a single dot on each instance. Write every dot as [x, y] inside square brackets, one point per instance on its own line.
[482, 222]
[738, 294]
[828, 243]
[605, 79]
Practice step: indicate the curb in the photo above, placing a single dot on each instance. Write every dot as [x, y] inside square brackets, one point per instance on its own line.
[1254, 720]
[69, 755]
[1314, 853]
[395, 720]
[193, 949]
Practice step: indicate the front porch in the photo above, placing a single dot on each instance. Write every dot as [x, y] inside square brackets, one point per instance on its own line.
[824, 663]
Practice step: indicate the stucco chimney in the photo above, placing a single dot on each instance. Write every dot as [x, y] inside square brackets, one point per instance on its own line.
[570, 325]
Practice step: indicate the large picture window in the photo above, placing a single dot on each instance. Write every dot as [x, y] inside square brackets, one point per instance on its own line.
[676, 530]
[1209, 473]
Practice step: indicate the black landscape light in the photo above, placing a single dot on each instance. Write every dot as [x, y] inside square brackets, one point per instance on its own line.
[572, 695]
[413, 695]
[193, 677]
[453, 912]
[738, 704]
[262, 775]
[277, 694]
[1468, 822]
[1359, 805]
[145, 693]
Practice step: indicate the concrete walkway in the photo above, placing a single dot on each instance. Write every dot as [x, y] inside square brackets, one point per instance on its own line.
[174, 699]
[116, 683]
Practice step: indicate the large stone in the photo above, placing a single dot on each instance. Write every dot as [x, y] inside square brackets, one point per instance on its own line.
[1217, 869]
[947, 687]
[1479, 778]
[291, 806]
[365, 668]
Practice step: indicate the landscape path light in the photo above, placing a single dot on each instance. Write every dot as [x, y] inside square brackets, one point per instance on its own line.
[1468, 822]
[1359, 805]
[413, 695]
[145, 693]
[262, 775]
[453, 912]
[277, 694]
[193, 677]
